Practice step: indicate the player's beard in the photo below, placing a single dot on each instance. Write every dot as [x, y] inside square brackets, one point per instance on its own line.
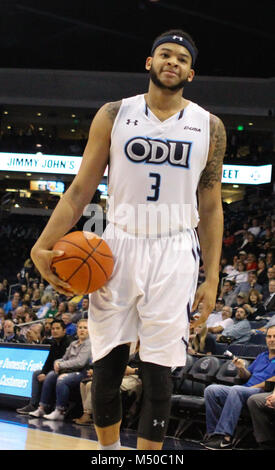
[159, 84]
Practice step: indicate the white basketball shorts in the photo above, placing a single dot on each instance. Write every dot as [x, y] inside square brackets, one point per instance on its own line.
[148, 297]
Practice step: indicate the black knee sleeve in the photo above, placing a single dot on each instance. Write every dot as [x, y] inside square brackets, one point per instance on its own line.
[155, 410]
[107, 377]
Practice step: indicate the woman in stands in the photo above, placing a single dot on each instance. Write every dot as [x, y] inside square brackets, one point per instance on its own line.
[255, 305]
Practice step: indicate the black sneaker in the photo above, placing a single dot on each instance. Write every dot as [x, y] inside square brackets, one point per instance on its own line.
[26, 409]
[218, 443]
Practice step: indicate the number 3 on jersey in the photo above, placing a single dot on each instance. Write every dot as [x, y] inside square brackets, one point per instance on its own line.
[154, 187]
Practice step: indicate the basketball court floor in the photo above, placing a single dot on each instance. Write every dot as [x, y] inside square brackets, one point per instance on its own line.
[20, 432]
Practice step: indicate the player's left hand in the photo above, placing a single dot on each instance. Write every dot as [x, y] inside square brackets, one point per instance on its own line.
[206, 294]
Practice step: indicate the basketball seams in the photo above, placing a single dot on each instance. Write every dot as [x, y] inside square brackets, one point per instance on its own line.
[81, 261]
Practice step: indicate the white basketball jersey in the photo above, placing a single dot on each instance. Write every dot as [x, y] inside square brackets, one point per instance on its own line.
[155, 167]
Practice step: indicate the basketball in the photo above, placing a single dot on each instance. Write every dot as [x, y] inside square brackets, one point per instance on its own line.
[87, 262]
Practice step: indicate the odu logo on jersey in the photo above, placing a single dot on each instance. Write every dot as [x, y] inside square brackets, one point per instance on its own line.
[142, 149]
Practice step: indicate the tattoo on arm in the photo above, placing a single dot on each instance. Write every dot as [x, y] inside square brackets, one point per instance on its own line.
[112, 109]
[213, 171]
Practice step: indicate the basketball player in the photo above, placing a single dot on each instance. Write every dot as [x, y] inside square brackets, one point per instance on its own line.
[163, 151]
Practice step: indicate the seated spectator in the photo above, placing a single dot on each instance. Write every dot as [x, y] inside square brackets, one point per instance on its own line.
[270, 276]
[70, 326]
[239, 332]
[251, 262]
[270, 261]
[225, 321]
[131, 383]
[239, 274]
[83, 312]
[250, 244]
[45, 306]
[53, 309]
[241, 300]
[254, 306]
[9, 335]
[262, 272]
[269, 302]
[227, 293]
[60, 342]
[67, 374]
[250, 284]
[62, 308]
[12, 304]
[216, 314]
[19, 315]
[47, 336]
[36, 300]
[3, 295]
[224, 403]
[254, 228]
[262, 408]
[2, 316]
[34, 334]
[202, 342]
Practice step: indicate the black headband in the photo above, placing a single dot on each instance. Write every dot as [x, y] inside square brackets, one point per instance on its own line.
[178, 40]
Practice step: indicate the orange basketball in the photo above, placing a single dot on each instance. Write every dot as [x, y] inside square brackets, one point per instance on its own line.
[87, 262]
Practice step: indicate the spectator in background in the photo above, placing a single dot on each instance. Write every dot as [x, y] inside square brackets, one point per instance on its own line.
[36, 300]
[241, 300]
[216, 314]
[53, 309]
[250, 244]
[225, 321]
[62, 308]
[254, 306]
[239, 332]
[45, 306]
[270, 276]
[224, 403]
[269, 302]
[254, 228]
[47, 336]
[3, 295]
[251, 262]
[270, 259]
[239, 274]
[83, 312]
[227, 293]
[9, 335]
[60, 342]
[13, 303]
[262, 272]
[67, 374]
[34, 334]
[250, 284]
[70, 326]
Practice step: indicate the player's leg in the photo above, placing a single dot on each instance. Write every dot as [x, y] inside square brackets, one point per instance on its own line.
[155, 410]
[106, 400]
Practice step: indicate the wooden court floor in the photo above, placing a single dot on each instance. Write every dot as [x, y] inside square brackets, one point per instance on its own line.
[19, 432]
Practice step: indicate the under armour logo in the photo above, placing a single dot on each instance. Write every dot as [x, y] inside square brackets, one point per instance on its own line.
[178, 37]
[135, 122]
[158, 423]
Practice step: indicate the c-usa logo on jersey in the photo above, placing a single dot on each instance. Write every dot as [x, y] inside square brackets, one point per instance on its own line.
[147, 150]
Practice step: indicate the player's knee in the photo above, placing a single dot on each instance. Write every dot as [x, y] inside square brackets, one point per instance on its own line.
[156, 381]
[107, 377]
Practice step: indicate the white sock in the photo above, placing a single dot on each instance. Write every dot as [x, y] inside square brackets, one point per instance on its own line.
[115, 446]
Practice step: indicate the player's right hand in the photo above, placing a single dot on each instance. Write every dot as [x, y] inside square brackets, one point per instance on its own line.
[43, 260]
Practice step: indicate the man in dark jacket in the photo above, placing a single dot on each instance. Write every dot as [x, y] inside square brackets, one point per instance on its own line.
[60, 342]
